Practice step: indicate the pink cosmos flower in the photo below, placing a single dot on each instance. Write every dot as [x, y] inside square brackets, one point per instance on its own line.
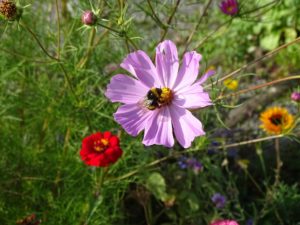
[158, 97]
[229, 7]
[224, 222]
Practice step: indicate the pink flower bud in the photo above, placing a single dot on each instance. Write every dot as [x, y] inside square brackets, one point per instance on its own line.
[295, 96]
[89, 18]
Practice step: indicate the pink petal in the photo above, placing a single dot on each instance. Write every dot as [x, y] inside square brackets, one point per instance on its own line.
[204, 77]
[188, 71]
[167, 63]
[186, 126]
[125, 89]
[159, 129]
[132, 117]
[192, 97]
[140, 65]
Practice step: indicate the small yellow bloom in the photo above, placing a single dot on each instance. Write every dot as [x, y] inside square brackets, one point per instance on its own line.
[231, 84]
[276, 120]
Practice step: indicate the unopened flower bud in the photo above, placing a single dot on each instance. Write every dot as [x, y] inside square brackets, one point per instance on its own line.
[89, 18]
[229, 7]
[8, 10]
[295, 96]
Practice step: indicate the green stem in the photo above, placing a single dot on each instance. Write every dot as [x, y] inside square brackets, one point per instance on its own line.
[278, 162]
[295, 77]
[58, 27]
[38, 41]
[62, 68]
[169, 21]
[189, 39]
[155, 17]
[74, 94]
[269, 54]
[84, 60]
[109, 28]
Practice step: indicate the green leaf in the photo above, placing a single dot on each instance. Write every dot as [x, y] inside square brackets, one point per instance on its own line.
[193, 202]
[270, 41]
[290, 34]
[157, 185]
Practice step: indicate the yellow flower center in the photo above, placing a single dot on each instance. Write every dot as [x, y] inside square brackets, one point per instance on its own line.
[276, 120]
[166, 96]
[101, 145]
[157, 97]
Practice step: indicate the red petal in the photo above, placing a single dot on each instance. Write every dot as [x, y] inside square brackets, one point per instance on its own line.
[113, 141]
[106, 135]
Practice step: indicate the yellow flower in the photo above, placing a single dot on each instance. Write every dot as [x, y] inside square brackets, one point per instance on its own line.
[231, 84]
[276, 120]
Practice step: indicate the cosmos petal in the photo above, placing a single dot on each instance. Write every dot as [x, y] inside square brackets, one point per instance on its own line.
[192, 97]
[140, 65]
[159, 129]
[133, 118]
[205, 76]
[188, 71]
[186, 126]
[167, 63]
[125, 89]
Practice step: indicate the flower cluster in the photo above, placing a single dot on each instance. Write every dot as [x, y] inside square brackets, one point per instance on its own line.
[190, 163]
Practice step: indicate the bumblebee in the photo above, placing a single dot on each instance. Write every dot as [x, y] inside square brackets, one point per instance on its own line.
[152, 100]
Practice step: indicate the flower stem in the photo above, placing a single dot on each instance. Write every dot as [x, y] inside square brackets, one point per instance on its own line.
[109, 28]
[278, 162]
[211, 34]
[295, 77]
[250, 141]
[38, 41]
[61, 67]
[84, 60]
[58, 29]
[269, 54]
[190, 37]
[155, 17]
[100, 181]
[165, 31]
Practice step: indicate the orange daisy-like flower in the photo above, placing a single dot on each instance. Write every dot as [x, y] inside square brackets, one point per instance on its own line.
[100, 149]
[276, 120]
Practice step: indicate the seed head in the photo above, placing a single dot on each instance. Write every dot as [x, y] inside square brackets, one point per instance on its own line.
[8, 9]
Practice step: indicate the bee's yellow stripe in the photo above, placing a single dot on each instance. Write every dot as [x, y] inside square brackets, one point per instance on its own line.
[154, 91]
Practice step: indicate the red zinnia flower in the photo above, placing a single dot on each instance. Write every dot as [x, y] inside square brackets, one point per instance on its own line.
[100, 149]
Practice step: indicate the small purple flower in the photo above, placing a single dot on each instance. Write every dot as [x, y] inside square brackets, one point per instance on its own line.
[197, 167]
[232, 152]
[182, 162]
[219, 200]
[89, 18]
[229, 7]
[295, 96]
[249, 222]
[190, 163]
